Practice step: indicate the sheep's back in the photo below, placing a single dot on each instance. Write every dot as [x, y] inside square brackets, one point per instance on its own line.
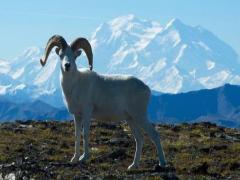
[118, 94]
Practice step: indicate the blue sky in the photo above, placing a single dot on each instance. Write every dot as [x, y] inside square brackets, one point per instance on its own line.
[31, 22]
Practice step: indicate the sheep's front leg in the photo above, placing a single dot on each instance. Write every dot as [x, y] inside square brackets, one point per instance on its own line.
[86, 127]
[78, 127]
[139, 144]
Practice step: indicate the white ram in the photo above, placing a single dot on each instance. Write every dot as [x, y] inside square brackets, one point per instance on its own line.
[89, 96]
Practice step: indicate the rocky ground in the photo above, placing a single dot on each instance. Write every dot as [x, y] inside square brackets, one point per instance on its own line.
[42, 150]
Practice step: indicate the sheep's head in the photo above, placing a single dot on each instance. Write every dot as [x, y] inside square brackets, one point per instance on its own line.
[68, 54]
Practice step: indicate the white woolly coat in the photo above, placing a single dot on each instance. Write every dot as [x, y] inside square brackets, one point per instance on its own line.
[105, 97]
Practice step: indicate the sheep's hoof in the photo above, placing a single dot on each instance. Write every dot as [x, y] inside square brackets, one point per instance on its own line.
[163, 164]
[132, 166]
[74, 159]
[83, 158]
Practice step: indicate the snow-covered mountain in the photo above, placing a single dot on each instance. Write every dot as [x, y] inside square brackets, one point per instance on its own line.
[172, 58]
[169, 58]
[25, 81]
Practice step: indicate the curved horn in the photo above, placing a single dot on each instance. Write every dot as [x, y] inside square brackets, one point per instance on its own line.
[55, 40]
[86, 46]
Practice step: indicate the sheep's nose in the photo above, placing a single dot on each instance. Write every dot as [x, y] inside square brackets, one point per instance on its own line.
[67, 66]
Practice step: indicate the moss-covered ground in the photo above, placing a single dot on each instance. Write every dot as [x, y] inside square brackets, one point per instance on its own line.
[42, 150]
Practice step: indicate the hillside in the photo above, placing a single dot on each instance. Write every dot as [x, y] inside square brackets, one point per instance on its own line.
[219, 105]
[42, 150]
[10, 111]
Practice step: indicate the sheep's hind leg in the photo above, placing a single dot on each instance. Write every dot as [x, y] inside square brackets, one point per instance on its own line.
[139, 144]
[155, 137]
[78, 126]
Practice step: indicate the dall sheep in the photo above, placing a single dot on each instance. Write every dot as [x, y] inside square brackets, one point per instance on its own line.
[89, 95]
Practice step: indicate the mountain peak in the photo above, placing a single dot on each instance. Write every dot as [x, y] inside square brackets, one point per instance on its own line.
[123, 20]
[130, 21]
[175, 22]
[128, 17]
[118, 24]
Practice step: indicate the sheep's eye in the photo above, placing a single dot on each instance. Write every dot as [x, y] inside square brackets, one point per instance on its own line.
[61, 56]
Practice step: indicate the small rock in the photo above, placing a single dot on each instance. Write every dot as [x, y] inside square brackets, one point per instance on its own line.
[10, 176]
[117, 141]
[25, 178]
[201, 169]
[59, 177]
[231, 138]
[24, 126]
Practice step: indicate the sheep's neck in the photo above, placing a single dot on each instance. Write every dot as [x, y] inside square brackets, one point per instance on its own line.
[68, 81]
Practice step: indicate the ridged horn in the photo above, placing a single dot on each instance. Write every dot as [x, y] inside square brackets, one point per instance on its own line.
[82, 43]
[55, 40]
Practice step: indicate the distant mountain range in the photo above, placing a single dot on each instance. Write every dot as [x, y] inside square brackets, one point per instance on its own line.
[172, 58]
[219, 105]
[38, 110]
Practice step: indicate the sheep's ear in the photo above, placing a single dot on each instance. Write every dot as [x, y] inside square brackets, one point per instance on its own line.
[77, 53]
[57, 50]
